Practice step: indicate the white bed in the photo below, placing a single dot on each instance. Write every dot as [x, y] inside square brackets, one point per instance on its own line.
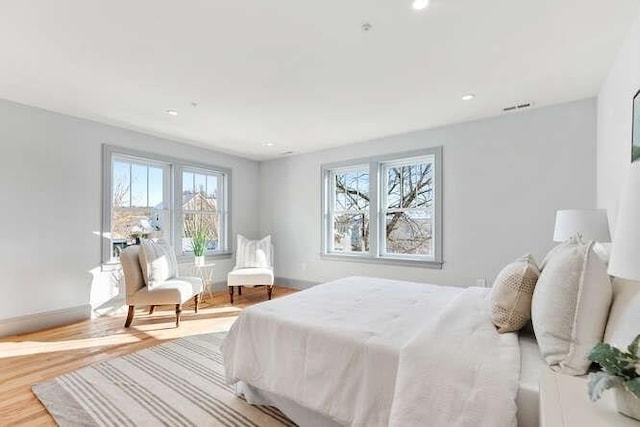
[363, 351]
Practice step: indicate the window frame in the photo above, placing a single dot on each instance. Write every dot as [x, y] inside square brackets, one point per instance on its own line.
[331, 211]
[223, 187]
[377, 210]
[175, 168]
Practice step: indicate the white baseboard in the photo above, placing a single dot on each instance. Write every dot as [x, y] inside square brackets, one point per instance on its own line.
[45, 320]
[282, 281]
[295, 283]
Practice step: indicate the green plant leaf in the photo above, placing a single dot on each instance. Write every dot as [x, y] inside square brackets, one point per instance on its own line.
[613, 361]
[633, 386]
[634, 347]
[599, 382]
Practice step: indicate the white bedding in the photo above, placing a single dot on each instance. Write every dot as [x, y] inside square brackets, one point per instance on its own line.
[374, 352]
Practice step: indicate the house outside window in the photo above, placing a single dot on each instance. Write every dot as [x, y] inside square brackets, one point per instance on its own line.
[148, 196]
[384, 209]
[202, 208]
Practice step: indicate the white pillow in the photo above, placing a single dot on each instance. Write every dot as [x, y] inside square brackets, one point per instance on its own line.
[624, 319]
[158, 262]
[253, 253]
[570, 306]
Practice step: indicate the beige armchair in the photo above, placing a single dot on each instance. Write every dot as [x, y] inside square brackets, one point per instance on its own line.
[176, 290]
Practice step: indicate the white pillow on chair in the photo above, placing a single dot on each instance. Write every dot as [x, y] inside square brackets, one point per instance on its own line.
[253, 253]
[157, 261]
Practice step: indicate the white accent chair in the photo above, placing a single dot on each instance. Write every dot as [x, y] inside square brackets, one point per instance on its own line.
[250, 276]
[176, 290]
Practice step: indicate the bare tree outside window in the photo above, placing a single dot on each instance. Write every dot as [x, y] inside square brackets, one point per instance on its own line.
[137, 200]
[350, 210]
[407, 205]
[409, 208]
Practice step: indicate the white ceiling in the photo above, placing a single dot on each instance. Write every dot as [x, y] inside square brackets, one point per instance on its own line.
[302, 74]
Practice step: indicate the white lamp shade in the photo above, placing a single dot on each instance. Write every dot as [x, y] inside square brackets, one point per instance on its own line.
[625, 249]
[590, 224]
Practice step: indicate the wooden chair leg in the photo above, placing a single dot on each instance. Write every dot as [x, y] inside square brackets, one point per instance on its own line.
[132, 311]
[196, 301]
[239, 290]
[151, 308]
[269, 291]
[178, 311]
[231, 294]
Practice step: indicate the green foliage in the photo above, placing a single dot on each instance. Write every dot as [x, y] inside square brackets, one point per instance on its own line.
[599, 382]
[619, 369]
[614, 361]
[199, 241]
[635, 153]
[634, 347]
[634, 386]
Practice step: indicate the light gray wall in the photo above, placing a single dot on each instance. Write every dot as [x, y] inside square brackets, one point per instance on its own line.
[50, 187]
[614, 123]
[504, 178]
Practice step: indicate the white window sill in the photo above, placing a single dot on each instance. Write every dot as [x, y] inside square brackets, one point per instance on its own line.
[407, 262]
[182, 259]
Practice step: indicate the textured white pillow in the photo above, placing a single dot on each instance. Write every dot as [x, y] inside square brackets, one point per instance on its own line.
[570, 306]
[624, 319]
[253, 253]
[512, 293]
[158, 262]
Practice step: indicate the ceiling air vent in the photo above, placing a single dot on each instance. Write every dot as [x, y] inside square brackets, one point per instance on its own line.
[517, 107]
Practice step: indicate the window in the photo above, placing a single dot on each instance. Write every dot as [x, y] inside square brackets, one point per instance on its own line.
[139, 202]
[202, 208]
[384, 208]
[349, 209]
[408, 207]
[146, 195]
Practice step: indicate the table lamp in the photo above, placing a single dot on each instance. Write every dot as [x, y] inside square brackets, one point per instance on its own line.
[585, 224]
[625, 249]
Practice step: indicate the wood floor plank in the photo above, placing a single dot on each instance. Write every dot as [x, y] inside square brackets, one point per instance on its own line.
[40, 356]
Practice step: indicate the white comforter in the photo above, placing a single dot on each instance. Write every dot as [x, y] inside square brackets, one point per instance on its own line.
[375, 352]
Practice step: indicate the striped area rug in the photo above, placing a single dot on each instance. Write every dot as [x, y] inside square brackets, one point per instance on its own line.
[180, 383]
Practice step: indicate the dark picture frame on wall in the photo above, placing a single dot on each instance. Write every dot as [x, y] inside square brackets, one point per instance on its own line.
[635, 130]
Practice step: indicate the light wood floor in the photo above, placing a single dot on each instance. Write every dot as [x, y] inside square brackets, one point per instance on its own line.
[40, 356]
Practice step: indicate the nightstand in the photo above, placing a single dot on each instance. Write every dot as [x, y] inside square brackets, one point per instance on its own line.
[564, 403]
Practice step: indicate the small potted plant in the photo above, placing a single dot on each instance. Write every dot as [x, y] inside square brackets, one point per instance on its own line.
[199, 241]
[620, 371]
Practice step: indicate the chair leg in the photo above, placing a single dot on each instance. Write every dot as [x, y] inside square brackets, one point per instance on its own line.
[178, 311]
[151, 308]
[196, 301]
[231, 294]
[269, 291]
[239, 290]
[132, 311]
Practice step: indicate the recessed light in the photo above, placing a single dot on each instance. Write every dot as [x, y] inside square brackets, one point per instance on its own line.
[268, 144]
[468, 97]
[420, 4]
[171, 112]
